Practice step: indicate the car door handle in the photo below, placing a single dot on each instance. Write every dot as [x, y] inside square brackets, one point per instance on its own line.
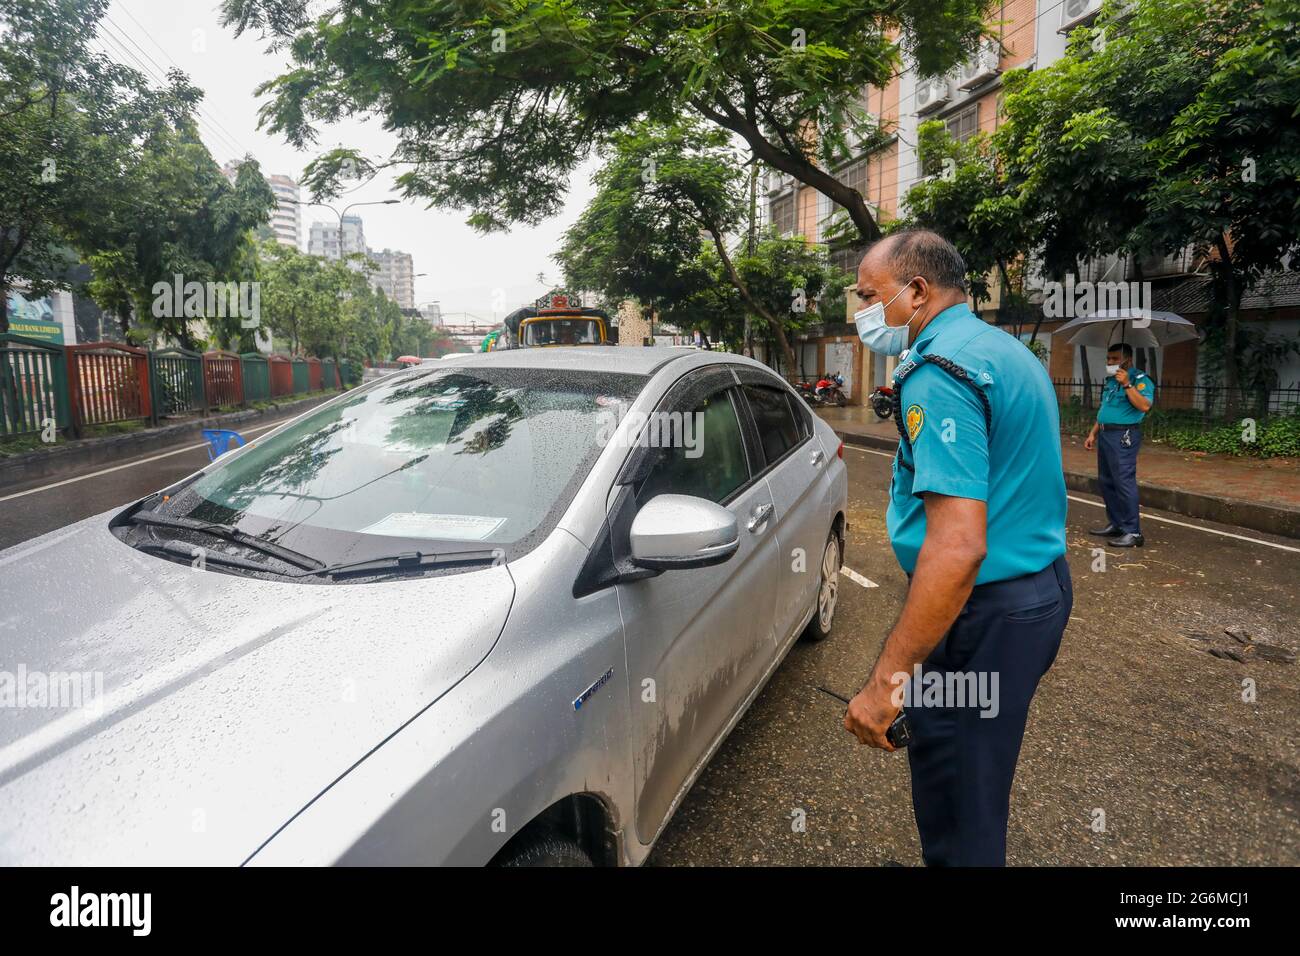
[758, 517]
[818, 457]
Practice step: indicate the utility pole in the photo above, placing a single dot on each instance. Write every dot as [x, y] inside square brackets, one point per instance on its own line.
[747, 347]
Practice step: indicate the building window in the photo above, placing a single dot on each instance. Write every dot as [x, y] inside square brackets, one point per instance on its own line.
[964, 125]
[783, 214]
[854, 175]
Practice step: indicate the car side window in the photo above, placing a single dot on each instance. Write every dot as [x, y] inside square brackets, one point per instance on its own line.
[777, 428]
[706, 458]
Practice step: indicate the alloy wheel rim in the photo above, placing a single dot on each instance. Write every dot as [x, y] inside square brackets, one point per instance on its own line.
[826, 597]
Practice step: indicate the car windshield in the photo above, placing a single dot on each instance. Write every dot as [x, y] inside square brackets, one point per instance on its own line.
[562, 332]
[440, 459]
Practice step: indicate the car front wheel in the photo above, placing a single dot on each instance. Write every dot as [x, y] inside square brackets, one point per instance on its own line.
[828, 591]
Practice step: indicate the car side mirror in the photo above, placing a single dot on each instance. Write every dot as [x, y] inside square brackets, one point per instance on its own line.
[672, 532]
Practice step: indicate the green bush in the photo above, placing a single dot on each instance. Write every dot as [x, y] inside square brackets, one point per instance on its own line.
[1274, 438]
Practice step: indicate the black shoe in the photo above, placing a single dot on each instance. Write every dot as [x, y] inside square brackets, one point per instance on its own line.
[1129, 540]
[1110, 531]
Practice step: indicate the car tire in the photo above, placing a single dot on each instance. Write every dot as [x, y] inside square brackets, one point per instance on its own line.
[547, 849]
[828, 590]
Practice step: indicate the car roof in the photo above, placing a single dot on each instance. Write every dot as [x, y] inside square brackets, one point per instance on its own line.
[639, 360]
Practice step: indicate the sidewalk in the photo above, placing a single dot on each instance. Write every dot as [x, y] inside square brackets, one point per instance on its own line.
[1262, 494]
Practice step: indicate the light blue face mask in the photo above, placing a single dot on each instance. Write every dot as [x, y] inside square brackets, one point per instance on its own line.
[876, 335]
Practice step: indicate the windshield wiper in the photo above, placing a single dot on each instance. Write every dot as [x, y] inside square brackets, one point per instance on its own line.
[180, 549]
[410, 561]
[233, 535]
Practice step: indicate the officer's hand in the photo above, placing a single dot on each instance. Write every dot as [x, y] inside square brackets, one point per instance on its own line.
[1122, 377]
[869, 715]
[1091, 441]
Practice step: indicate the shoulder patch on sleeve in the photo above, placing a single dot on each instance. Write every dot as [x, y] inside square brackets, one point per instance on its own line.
[915, 419]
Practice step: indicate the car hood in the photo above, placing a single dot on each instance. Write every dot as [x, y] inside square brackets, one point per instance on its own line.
[156, 713]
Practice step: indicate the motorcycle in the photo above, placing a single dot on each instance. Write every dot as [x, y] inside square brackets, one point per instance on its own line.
[829, 391]
[807, 392]
[882, 401]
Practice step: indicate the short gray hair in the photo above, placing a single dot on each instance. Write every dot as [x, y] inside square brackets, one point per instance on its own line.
[923, 252]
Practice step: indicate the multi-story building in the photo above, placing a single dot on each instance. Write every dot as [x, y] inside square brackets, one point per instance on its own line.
[286, 218]
[396, 276]
[1028, 34]
[336, 241]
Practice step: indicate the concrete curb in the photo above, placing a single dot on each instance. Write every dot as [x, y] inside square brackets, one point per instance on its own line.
[1272, 519]
[74, 457]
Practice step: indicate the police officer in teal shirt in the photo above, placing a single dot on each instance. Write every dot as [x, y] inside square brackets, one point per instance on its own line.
[976, 518]
[1126, 398]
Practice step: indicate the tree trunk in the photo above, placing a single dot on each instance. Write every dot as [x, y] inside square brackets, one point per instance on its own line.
[757, 306]
[727, 116]
[1232, 291]
[1087, 379]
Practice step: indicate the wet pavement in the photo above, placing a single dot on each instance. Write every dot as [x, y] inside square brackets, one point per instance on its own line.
[1136, 719]
[1270, 481]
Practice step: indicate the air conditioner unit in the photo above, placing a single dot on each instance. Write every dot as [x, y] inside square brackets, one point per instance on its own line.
[932, 93]
[1074, 12]
[980, 68]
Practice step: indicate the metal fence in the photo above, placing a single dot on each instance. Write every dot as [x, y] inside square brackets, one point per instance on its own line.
[223, 379]
[102, 383]
[1179, 405]
[177, 379]
[257, 377]
[33, 385]
[108, 382]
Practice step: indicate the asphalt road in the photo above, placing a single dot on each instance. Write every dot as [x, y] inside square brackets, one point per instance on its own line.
[1136, 720]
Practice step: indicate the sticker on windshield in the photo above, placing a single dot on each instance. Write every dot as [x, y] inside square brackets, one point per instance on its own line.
[414, 524]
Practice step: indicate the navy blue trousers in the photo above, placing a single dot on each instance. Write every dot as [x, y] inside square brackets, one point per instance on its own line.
[963, 763]
[1117, 468]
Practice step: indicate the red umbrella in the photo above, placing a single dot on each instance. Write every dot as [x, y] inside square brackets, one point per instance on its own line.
[409, 359]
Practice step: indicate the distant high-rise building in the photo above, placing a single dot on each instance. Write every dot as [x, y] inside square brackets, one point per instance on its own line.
[331, 242]
[432, 312]
[286, 218]
[396, 276]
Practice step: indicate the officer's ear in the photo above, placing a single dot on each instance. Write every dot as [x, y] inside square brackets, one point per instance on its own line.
[920, 291]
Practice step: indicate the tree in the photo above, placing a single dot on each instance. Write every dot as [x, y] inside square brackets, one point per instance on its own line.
[665, 186]
[303, 297]
[174, 213]
[789, 277]
[1167, 124]
[639, 237]
[495, 103]
[966, 197]
[68, 119]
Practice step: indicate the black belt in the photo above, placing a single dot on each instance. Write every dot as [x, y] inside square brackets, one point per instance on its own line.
[1122, 428]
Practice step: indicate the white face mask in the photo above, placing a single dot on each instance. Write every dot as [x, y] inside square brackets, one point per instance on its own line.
[1112, 369]
[879, 336]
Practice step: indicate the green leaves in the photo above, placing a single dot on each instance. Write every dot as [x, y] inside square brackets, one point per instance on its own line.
[496, 102]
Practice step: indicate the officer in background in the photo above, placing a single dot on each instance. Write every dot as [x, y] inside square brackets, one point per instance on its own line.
[1126, 398]
[977, 520]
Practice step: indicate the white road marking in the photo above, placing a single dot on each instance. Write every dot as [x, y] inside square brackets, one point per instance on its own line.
[129, 464]
[1145, 515]
[857, 578]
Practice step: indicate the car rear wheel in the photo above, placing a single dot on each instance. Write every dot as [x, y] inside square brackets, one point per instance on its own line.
[828, 591]
[546, 849]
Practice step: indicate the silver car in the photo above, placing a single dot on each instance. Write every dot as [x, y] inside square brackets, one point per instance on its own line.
[501, 609]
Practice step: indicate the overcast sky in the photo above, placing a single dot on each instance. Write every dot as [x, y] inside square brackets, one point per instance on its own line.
[465, 271]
